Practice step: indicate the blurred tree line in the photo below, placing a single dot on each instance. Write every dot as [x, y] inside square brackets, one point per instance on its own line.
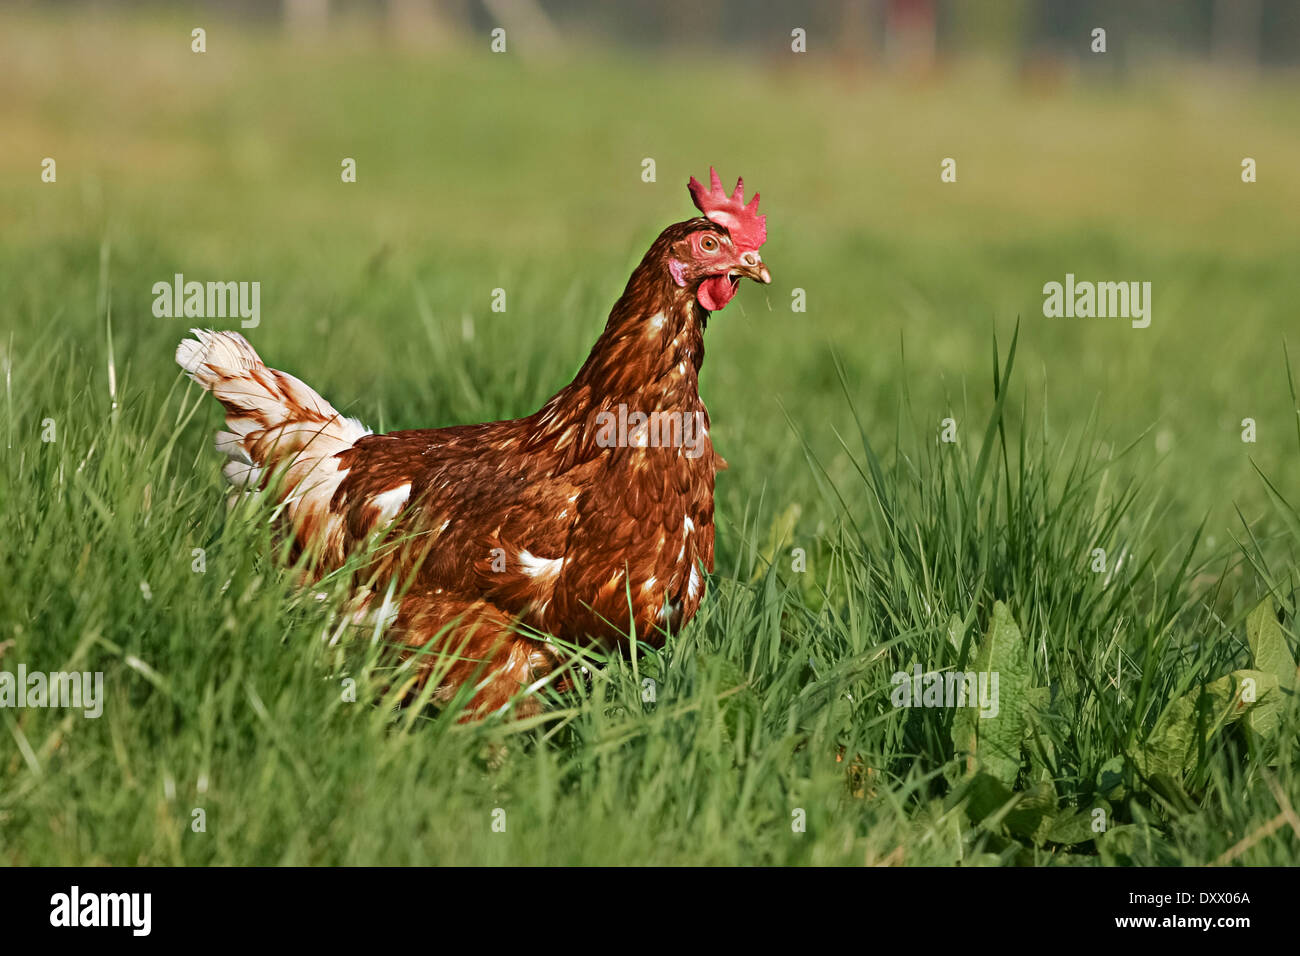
[909, 33]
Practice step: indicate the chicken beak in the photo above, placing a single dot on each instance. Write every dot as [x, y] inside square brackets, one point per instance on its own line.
[754, 268]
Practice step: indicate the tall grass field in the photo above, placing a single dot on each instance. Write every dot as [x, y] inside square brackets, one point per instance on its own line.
[927, 474]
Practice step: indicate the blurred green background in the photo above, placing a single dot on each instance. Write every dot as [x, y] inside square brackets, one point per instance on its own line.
[523, 170]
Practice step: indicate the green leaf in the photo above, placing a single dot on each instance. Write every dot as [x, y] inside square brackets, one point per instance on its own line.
[984, 797]
[993, 743]
[1257, 695]
[1268, 644]
[1034, 813]
[1069, 829]
[1136, 845]
[1171, 748]
[1110, 778]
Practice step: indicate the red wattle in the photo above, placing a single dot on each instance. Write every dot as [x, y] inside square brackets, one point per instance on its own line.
[715, 292]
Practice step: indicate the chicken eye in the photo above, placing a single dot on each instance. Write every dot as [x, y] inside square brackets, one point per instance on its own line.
[709, 244]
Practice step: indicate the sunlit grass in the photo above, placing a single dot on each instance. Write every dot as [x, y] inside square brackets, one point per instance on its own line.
[225, 691]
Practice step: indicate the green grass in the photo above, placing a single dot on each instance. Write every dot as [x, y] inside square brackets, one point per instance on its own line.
[225, 687]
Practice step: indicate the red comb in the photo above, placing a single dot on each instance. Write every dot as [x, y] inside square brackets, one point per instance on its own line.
[748, 229]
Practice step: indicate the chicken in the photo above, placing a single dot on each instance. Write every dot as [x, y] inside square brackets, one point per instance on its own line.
[588, 521]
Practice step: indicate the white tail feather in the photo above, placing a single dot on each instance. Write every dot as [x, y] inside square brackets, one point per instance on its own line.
[273, 421]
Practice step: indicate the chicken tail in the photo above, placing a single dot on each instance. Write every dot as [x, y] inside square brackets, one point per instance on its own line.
[275, 423]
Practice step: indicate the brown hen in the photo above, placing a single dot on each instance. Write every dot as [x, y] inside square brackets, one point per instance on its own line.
[588, 520]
